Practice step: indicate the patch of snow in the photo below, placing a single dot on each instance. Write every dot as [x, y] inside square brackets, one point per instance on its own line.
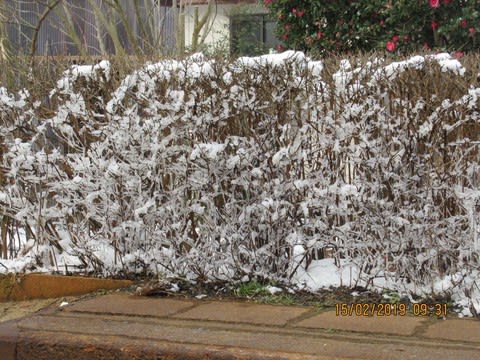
[174, 288]
[322, 274]
[272, 290]
[452, 65]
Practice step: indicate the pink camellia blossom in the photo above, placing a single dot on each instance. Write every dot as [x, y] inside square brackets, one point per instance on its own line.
[406, 38]
[471, 30]
[463, 23]
[319, 35]
[434, 3]
[458, 54]
[434, 25]
[284, 37]
[300, 13]
[279, 48]
[293, 11]
[286, 26]
[446, 2]
[267, 2]
[390, 46]
[395, 38]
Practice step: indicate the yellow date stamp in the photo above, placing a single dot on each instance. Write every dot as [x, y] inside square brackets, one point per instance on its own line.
[394, 309]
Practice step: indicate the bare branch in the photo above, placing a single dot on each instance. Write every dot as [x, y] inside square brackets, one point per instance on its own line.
[199, 24]
[42, 18]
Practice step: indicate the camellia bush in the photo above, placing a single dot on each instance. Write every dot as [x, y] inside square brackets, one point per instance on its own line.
[396, 26]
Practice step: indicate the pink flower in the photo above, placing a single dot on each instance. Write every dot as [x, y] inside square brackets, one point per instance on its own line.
[406, 38]
[298, 13]
[390, 46]
[395, 38]
[471, 30]
[458, 54]
[425, 46]
[286, 26]
[434, 3]
[463, 23]
[319, 35]
[434, 25]
[381, 23]
[446, 2]
[267, 2]
[279, 48]
[284, 37]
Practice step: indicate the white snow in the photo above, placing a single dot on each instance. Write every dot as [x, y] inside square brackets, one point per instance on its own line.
[100, 71]
[325, 274]
[272, 290]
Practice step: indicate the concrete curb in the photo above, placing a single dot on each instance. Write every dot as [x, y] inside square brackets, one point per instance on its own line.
[8, 340]
[40, 346]
[45, 286]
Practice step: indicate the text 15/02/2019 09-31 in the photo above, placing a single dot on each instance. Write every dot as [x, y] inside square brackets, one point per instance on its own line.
[371, 309]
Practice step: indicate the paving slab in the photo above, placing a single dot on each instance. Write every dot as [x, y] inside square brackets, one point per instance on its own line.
[243, 313]
[130, 305]
[121, 326]
[453, 329]
[404, 325]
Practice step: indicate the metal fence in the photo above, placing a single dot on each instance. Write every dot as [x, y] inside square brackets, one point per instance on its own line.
[69, 26]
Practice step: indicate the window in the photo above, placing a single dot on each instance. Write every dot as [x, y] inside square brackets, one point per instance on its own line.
[252, 34]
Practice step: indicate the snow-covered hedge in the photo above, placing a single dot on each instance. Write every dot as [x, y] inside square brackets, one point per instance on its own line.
[216, 170]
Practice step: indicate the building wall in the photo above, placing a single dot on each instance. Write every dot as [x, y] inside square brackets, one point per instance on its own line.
[219, 24]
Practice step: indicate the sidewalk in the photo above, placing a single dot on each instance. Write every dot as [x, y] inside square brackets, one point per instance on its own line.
[122, 326]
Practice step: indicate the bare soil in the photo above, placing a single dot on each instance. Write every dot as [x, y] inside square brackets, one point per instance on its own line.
[11, 310]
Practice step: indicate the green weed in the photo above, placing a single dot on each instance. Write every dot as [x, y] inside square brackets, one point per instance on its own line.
[277, 299]
[251, 289]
